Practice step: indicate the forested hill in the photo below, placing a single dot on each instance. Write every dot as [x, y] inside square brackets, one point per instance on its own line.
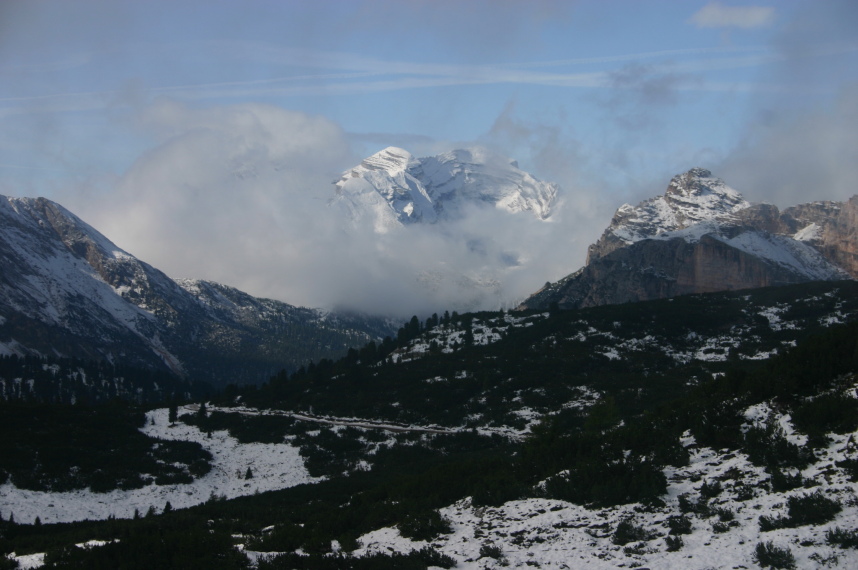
[506, 370]
[711, 430]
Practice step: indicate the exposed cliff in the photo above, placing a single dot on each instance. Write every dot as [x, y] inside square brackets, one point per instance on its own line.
[701, 236]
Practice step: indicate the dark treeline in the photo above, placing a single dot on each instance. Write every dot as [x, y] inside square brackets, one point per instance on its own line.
[77, 381]
[63, 448]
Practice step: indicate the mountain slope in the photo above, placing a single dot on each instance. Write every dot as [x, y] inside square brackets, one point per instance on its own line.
[703, 431]
[394, 188]
[702, 236]
[67, 291]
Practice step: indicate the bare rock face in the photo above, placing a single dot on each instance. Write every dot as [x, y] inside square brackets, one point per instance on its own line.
[657, 269]
[840, 237]
[701, 236]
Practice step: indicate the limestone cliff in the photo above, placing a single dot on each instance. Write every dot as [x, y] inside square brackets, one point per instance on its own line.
[702, 236]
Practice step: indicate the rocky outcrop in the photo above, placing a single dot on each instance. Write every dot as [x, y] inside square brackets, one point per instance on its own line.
[701, 236]
[691, 198]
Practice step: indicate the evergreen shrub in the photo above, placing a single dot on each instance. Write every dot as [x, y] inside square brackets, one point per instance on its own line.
[768, 555]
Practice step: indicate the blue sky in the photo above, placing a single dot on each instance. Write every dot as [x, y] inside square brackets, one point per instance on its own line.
[607, 98]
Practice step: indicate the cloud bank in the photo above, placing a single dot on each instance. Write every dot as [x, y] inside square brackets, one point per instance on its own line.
[239, 195]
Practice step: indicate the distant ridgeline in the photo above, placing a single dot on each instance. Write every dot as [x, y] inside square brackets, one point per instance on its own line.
[74, 381]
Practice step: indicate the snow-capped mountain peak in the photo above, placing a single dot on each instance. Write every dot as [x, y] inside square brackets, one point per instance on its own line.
[393, 188]
[692, 197]
[392, 160]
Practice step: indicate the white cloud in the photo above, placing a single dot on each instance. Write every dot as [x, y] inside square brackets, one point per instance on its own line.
[718, 15]
[788, 158]
[239, 195]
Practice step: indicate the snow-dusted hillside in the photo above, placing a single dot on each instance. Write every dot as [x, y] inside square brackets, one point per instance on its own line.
[545, 533]
[68, 291]
[642, 436]
[392, 187]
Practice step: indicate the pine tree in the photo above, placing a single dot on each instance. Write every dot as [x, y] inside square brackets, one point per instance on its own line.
[248, 474]
[167, 508]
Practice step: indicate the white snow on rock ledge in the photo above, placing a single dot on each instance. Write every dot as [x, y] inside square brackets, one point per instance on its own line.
[274, 466]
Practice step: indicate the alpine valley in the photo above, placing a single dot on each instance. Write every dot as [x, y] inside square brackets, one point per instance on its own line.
[67, 292]
[687, 400]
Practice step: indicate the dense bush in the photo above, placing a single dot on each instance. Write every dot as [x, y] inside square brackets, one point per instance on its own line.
[606, 483]
[710, 490]
[769, 447]
[768, 555]
[782, 481]
[414, 560]
[159, 542]
[828, 413]
[679, 524]
[424, 526]
[814, 508]
[699, 506]
[673, 543]
[627, 531]
[491, 551]
[851, 468]
[842, 538]
[62, 448]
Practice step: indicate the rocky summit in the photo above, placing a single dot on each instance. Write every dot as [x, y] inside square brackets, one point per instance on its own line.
[703, 236]
[393, 188]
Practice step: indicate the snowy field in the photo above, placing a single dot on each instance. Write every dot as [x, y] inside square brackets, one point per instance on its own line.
[274, 466]
[545, 533]
[534, 532]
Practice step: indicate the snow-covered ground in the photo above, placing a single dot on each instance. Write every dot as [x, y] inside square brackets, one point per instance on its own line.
[533, 532]
[447, 337]
[546, 533]
[274, 466]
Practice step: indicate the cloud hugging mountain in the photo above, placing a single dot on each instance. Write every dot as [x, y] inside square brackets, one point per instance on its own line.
[68, 291]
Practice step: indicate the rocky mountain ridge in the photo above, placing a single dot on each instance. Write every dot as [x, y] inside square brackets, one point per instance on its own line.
[394, 188]
[67, 291]
[703, 236]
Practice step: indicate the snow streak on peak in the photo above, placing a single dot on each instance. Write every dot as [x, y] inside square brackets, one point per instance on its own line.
[691, 198]
[392, 160]
[393, 188]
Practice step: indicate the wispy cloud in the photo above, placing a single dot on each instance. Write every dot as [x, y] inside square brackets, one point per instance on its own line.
[718, 15]
[345, 74]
